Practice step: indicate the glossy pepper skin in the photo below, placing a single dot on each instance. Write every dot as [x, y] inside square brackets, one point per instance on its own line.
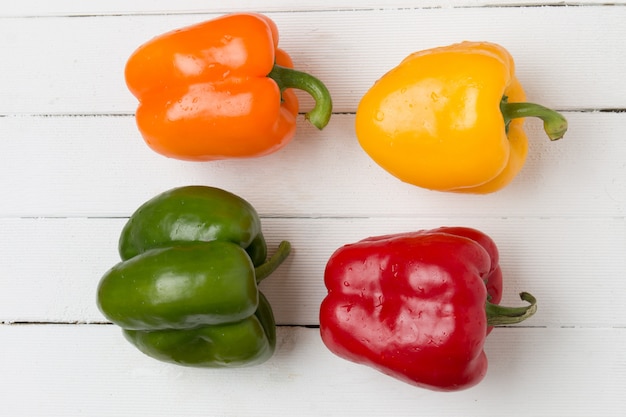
[193, 300]
[191, 214]
[220, 89]
[451, 119]
[417, 306]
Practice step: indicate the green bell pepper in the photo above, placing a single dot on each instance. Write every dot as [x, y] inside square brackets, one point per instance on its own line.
[193, 300]
[243, 343]
[191, 214]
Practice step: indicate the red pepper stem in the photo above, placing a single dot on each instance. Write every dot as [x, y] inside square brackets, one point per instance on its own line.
[500, 316]
[265, 269]
[291, 78]
[554, 124]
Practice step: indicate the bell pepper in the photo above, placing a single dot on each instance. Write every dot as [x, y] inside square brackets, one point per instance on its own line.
[191, 214]
[186, 289]
[220, 89]
[417, 306]
[451, 119]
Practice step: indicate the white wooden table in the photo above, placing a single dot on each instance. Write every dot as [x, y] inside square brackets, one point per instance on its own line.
[73, 167]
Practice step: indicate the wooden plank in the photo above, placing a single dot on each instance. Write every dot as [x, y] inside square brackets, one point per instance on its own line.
[90, 370]
[333, 45]
[100, 166]
[38, 8]
[50, 268]
[74, 167]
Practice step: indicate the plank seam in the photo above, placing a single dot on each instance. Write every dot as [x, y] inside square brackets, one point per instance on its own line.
[521, 5]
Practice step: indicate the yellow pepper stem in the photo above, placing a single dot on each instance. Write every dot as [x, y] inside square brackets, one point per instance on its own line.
[554, 124]
[320, 115]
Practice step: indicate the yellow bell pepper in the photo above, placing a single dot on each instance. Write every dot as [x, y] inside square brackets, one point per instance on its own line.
[451, 119]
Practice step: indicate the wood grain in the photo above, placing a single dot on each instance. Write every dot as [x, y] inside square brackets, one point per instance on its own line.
[93, 370]
[73, 167]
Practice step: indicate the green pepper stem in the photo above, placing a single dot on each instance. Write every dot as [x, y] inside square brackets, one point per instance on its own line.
[554, 124]
[499, 315]
[265, 269]
[291, 78]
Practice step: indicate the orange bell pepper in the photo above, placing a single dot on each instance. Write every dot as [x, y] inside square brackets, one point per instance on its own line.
[220, 89]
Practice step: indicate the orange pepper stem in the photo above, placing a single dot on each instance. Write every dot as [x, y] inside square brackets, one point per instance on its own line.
[499, 315]
[290, 78]
[264, 270]
[554, 124]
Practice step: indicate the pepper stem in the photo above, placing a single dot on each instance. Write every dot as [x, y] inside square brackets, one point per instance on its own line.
[554, 124]
[291, 78]
[499, 315]
[265, 269]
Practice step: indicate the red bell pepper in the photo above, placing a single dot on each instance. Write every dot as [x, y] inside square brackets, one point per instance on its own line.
[417, 306]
